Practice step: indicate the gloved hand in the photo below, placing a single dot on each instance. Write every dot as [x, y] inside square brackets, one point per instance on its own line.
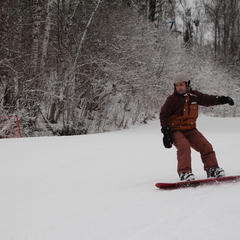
[167, 138]
[224, 100]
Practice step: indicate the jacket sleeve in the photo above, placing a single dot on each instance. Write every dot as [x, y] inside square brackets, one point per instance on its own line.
[165, 112]
[207, 100]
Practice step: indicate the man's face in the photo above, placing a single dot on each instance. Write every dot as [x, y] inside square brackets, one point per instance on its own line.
[181, 87]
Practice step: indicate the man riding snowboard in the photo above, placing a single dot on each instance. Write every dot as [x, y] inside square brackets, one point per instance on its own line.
[178, 121]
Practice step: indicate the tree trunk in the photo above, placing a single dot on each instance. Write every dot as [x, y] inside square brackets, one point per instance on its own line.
[46, 35]
[36, 36]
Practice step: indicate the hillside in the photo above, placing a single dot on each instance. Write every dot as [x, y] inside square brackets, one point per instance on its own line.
[101, 186]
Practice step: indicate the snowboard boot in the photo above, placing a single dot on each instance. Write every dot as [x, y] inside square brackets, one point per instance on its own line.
[215, 172]
[186, 176]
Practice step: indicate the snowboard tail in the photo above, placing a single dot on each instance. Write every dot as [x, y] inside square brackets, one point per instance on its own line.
[195, 183]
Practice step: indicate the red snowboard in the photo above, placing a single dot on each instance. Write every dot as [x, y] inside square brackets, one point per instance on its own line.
[196, 183]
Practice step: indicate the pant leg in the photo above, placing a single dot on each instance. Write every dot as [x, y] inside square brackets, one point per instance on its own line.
[200, 144]
[183, 152]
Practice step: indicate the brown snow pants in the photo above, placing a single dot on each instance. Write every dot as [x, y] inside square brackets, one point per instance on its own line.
[184, 141]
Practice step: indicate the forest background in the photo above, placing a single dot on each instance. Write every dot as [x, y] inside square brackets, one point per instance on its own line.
[85, 66]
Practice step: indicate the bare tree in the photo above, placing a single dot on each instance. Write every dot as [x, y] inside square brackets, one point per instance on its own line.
[224, 15]
[77, 67]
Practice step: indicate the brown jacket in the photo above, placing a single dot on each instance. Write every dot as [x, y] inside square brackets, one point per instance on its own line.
[180, 111]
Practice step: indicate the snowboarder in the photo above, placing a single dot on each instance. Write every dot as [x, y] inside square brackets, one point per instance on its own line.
[178, 121]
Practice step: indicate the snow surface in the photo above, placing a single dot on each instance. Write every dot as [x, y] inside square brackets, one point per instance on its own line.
[102, 186]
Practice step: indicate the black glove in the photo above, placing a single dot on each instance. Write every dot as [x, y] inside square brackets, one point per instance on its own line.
[167, 138]
[224, 100]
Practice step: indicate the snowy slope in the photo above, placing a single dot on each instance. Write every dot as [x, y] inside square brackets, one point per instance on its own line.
[101, 186]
